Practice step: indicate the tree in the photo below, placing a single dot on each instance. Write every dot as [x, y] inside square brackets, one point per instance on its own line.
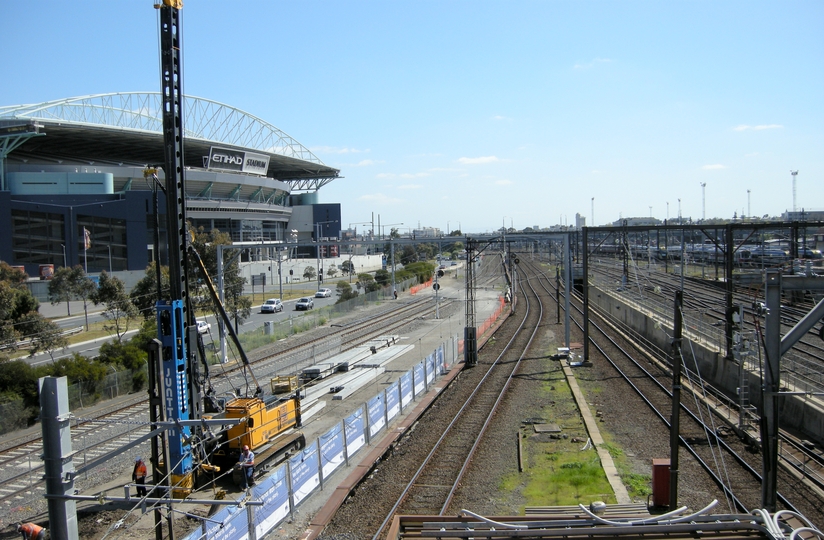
[332, 272]
[44, 334]
[128, 355]
[309, 273]
[118, 307]
[69, 283]
[205, 243]
[347, 267]
[18, 308]
[408, 255]
[144, 294]
[383, 277]
[368, 282]
[345, 292]
[60, 288]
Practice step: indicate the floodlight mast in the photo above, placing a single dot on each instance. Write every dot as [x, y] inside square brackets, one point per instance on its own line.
[795, 176]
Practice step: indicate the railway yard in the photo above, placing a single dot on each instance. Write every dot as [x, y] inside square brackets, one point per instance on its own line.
[494, 439]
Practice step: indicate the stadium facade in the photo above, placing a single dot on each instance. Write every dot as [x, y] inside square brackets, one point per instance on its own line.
[76, 184]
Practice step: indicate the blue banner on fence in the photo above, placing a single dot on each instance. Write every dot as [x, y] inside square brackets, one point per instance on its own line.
[230, 523]
[430, 368]
[377, 419]
[305, 469]
[439, 355]
[331, 450]
[273, 492]
[393, 401]
[406, 389]
[355, 432]
[417, 372]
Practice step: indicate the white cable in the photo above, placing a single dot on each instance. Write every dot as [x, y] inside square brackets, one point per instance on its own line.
[722, 469]
[492, 522]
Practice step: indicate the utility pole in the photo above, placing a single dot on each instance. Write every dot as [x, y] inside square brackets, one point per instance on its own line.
[703, 201]
[795, 176]
[749, 211]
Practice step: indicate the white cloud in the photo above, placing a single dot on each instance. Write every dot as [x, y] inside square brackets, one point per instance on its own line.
[385, 176]
[713, 167]
[593, 63]
[410, 186]
[503, 182]
[414, 175]
[760, 127]
[379, 198]
[478, 160]
[336, 150]
[443, 169]
[367, 162]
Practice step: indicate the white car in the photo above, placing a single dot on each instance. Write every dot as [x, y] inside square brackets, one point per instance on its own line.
[203, 327]
[323, 293]
[304, 304]
[273, 305]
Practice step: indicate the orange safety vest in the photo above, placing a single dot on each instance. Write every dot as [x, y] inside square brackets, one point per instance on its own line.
[30, 530]
[140, 470]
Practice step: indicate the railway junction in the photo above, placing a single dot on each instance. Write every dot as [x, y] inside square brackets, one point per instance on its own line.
[325, 513]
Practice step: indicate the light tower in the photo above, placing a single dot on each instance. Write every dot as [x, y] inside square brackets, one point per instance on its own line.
[703, 201]
[592, 213]
[795, 175]
[749, 212]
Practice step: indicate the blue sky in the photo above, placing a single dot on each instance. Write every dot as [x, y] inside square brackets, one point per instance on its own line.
[481, 113]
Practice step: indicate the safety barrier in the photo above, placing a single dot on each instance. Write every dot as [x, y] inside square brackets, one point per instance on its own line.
[415, 288]
[283, 491]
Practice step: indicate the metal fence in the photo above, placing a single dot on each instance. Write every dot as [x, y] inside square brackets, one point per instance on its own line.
[15, 415]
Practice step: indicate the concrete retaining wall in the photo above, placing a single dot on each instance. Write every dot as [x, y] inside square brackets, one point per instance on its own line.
[803, 413]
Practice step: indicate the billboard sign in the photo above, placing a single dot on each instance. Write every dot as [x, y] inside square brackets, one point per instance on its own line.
[238, 161]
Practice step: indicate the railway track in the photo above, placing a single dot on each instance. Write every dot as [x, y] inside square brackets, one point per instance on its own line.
[803, 367]
[705, 438]
[21, 468]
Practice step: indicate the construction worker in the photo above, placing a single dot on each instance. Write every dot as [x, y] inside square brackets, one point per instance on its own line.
[247, 464]
[139, 476]
[30, 531]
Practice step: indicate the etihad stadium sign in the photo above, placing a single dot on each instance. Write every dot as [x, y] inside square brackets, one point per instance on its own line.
[238, 161]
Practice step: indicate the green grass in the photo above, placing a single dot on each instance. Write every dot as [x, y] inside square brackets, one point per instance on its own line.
[566, 476]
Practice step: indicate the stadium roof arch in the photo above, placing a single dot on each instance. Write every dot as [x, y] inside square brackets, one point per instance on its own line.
[127, 128]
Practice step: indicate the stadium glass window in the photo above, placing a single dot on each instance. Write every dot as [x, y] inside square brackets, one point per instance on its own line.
[37, 237]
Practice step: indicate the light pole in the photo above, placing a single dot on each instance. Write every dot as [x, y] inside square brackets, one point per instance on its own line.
[392, 252]
[795, 175]
[703, 201]
[679, 210]
[650, 211]
[592, 212]
[667, 211]
[317, 248]
[64, 254]
[749, 211]
[110, 258]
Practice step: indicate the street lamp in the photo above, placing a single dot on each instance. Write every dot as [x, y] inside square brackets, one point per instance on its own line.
[317, 247]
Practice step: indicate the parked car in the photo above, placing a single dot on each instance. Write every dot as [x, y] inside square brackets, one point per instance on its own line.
[323, 293]
[203, 327]
[273, 305]
[304, 304]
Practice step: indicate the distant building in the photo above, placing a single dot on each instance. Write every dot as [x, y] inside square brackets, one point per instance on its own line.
[76, 182]
[580, 221]
[634, 221]
[427, 232]
[803, 215]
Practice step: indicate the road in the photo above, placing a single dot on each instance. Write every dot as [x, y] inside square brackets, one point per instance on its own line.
[91, 348]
